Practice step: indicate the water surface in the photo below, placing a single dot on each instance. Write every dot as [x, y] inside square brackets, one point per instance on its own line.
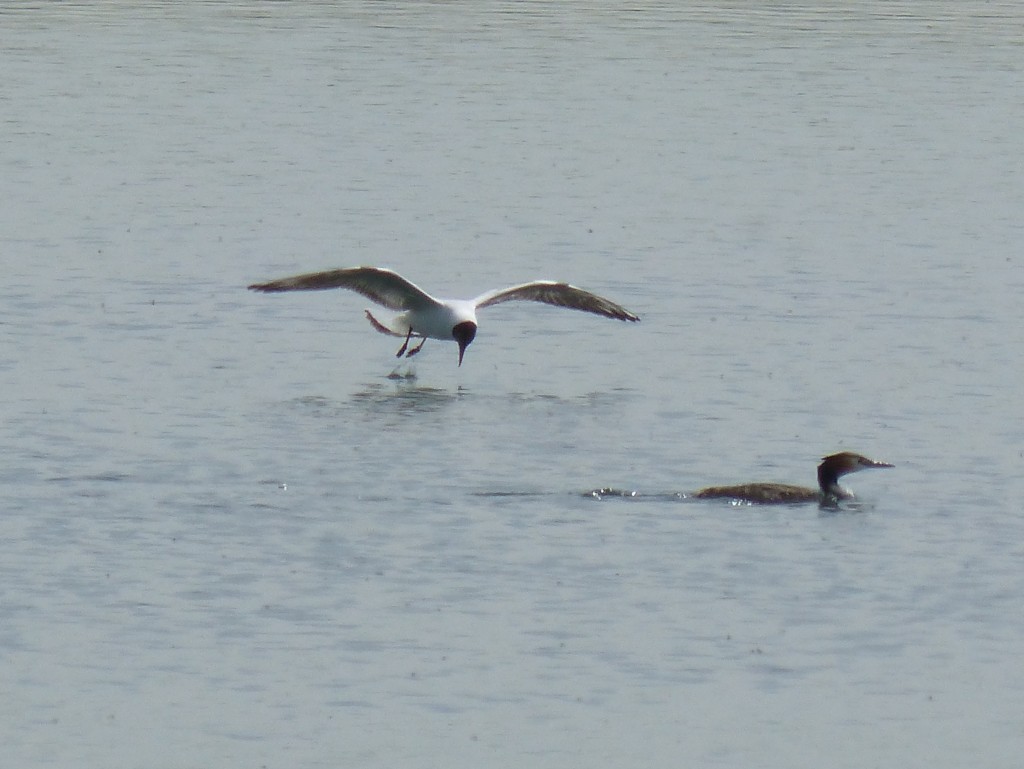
[229, 534]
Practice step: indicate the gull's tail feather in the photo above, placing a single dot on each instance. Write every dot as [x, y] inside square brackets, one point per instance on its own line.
[380, 326]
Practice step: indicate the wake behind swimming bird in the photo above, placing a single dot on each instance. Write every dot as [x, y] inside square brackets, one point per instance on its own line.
[423, 317]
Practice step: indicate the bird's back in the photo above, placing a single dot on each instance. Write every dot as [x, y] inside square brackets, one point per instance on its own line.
[761, 493]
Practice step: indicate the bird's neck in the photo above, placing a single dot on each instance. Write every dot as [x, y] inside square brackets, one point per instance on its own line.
[828, 480]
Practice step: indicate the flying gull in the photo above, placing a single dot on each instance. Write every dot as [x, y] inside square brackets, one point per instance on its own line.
[423, 317]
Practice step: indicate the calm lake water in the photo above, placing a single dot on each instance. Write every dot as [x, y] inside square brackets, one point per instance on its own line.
[230, 540]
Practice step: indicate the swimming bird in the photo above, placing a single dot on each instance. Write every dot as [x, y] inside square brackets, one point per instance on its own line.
[424, 317]
[831, 469]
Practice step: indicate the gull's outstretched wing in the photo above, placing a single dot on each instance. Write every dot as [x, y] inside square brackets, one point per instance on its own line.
[558, 294]
[382, 286]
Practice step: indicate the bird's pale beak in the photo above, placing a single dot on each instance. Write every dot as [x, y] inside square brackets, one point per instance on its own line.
[876, 463]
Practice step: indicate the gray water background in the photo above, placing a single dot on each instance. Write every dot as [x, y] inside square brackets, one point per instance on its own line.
[228, 539]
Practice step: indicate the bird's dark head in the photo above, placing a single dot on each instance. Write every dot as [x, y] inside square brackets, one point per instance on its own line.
[847, 462]
[835, 466]
[463, 333]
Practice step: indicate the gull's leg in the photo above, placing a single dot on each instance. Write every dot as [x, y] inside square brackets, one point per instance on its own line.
[417, 348]
[405, 344]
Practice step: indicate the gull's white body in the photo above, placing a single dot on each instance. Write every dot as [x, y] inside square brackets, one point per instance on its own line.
[435, 321]
[421, 315]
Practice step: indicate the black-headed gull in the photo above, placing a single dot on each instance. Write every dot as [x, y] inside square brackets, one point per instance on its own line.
[425, 317]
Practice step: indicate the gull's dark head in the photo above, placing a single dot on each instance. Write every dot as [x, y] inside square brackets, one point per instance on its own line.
[463, 333]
